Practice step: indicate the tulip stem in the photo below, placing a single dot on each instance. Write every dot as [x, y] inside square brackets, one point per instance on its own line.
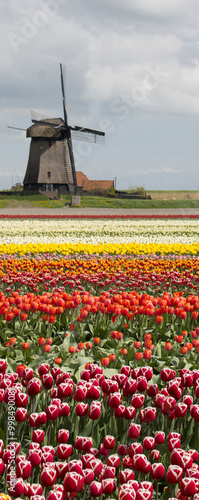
[92, 428]
[156, 496]
[32, 476]
[49, 434]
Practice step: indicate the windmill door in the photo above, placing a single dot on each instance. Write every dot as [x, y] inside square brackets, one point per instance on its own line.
[49, 187]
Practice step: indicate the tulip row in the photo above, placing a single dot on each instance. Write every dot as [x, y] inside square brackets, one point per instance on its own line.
[117, 457]
[115, 273]
[119, 232]
[82, 216]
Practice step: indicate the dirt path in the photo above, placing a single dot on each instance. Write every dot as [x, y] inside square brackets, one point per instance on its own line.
[96, 211]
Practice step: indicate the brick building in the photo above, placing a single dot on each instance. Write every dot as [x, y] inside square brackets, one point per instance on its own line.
[98, 186]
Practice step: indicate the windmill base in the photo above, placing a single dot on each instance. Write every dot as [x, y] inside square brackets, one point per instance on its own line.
[75, 200]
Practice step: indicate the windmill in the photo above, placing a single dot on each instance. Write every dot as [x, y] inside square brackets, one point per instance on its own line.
[51, 164]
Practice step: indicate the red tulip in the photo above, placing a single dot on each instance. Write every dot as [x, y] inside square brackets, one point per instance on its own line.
[108, 385]
[49, 449]
[174, 474]
[143, 494]
[88, 476]
[61, 469]
[34, 457]
[94, 391]
[95, 489]
[141, 383]
[134, 430]
[43, 369]
[27, 373]
[34, 420]
[64, 451]
[38, 436]
[157, 471]
[141, 464]
[81, 409]
[120, 379]
[126, 475]
[52, 412]
[73, 482]
[64, 410]
[46, 457]
[187, 379]
[96, 466]
[173, 443]
[126, 492]
[62, 436]
[55, 495]
[148, 414]
[159, 437]
[129, 412]
[3, 365]
[35, 489]
[122, 449]
[137, 400]
[65, 389]
[148, 443]
[119, 411]
[16, 489]
[47, 380]
[108, 486]
[129, 387]
[152, 390]
[21, 399]
[187, 486]
[33, 387]
[21, 414]
[167, 374]
[80, 393]
[134, 449]
[109, 442]
[48, 476]
[83, 443]
[115, 399]
[94, 411]
[181, 458]
[180, 410]
[23, 469]
[126, 370]
[113, 461]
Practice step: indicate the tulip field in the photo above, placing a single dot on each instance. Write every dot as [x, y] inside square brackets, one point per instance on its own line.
[99, 358]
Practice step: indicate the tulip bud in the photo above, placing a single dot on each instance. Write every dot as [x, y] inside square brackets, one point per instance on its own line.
[81, 409]
[174, 474]
[23, 469]
[64, 451]
[94, 410]
[187, 486]
[62, 436]
[157, 471]
[48, 476]
[21, 414]
[95, 489]
[33, 387]
[73, 482]
[38, 436]
[109, 442]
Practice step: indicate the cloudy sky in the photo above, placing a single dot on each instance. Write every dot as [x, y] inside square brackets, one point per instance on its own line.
[132, 71]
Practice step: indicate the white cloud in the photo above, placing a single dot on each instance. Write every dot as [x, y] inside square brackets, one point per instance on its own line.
[165, 170]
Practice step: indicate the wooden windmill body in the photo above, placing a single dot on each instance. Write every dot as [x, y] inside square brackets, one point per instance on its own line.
[51, 164]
